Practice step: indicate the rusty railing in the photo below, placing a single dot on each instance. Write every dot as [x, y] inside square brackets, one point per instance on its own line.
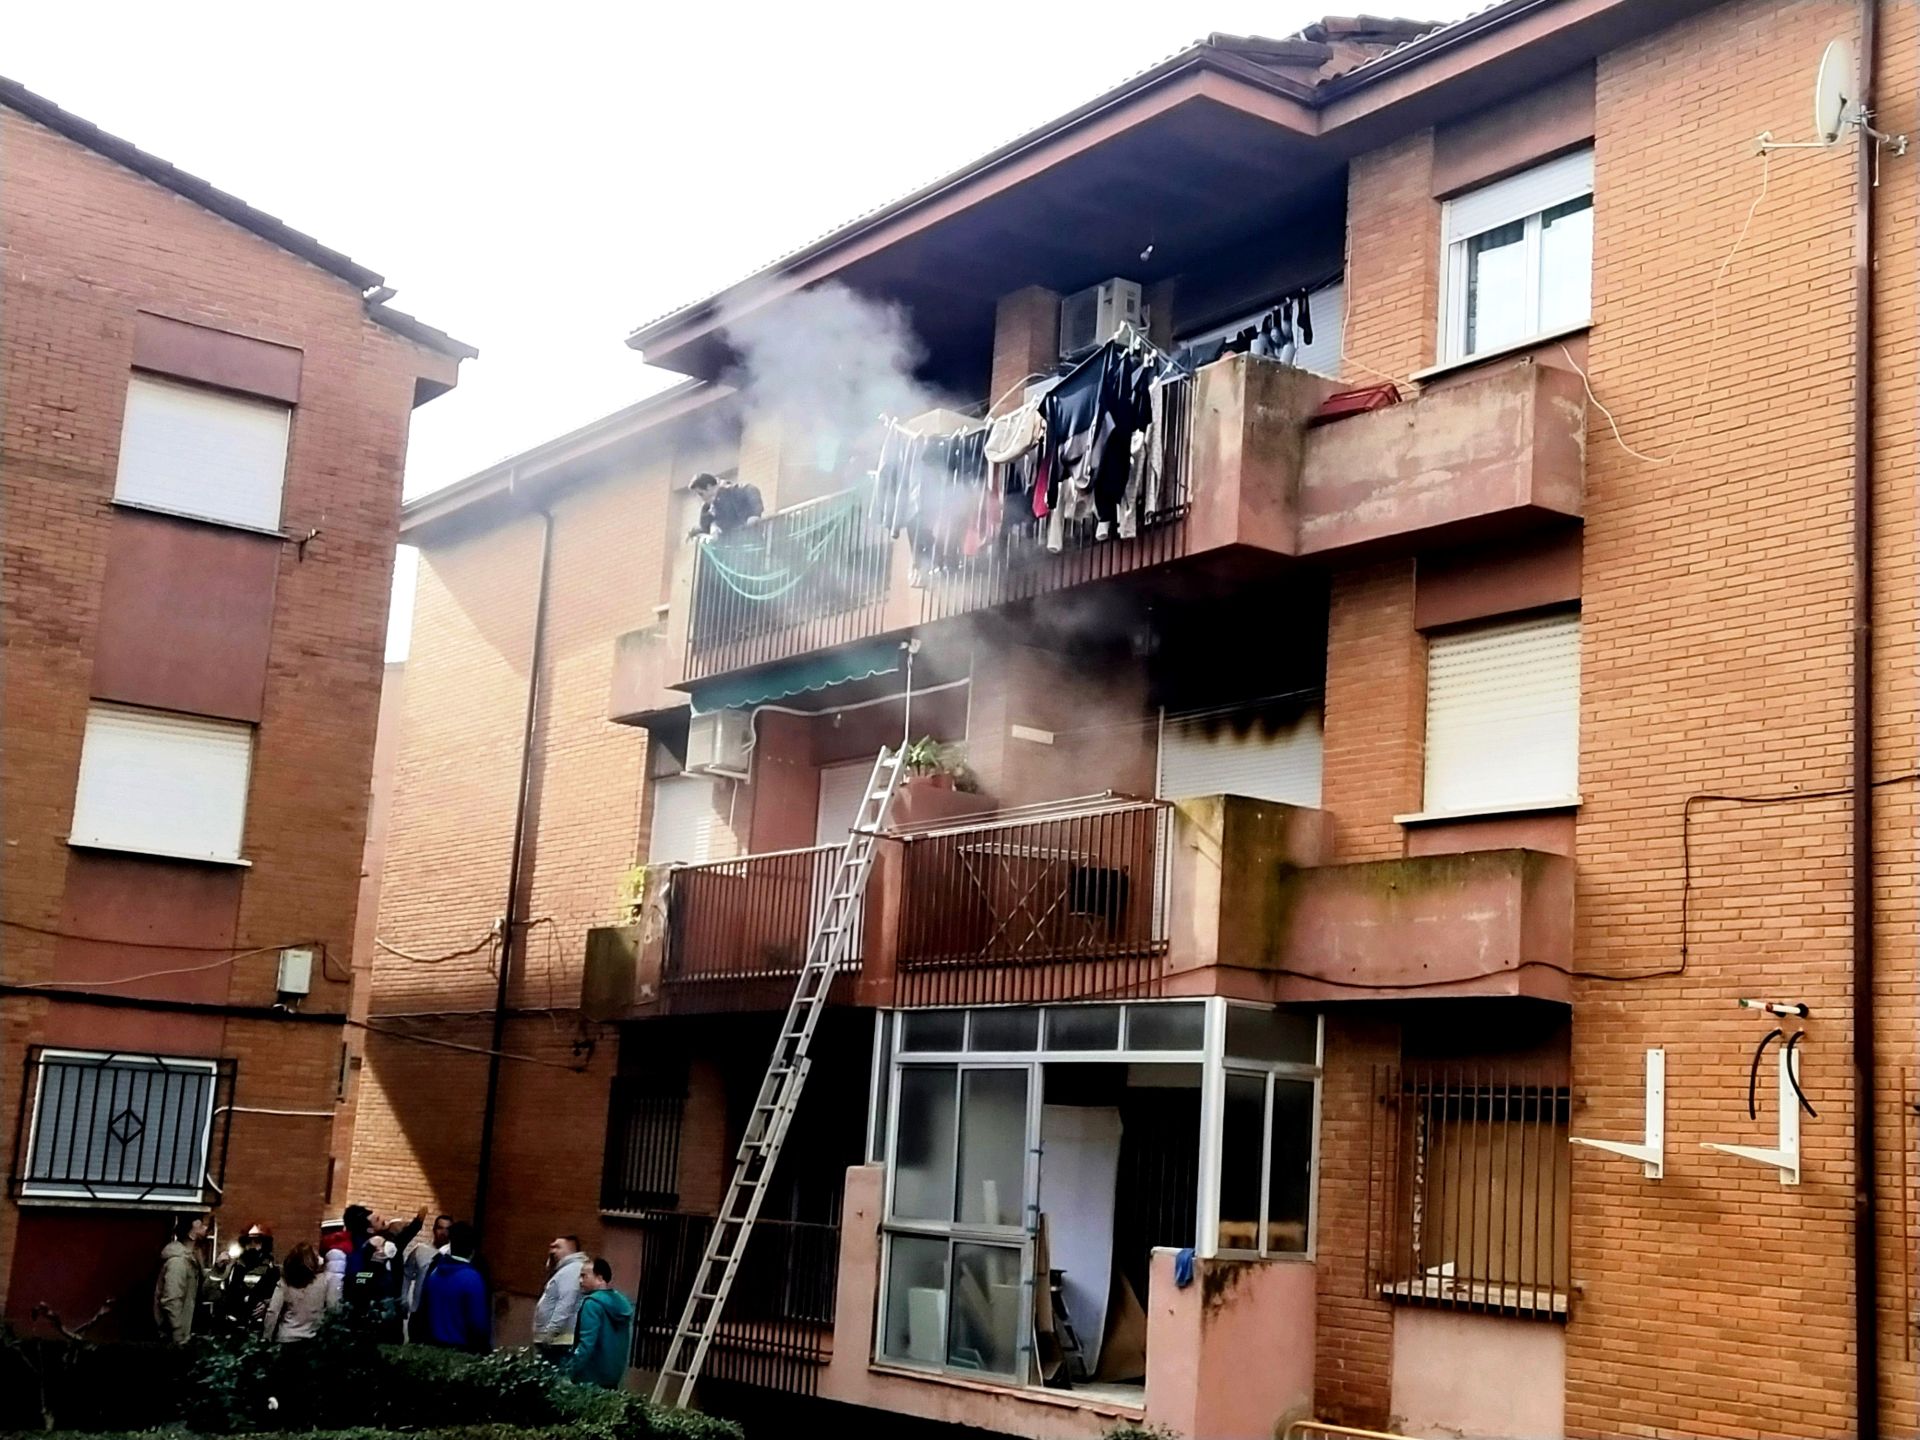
[737, 930]
[1022, 564]
[777, 1329]
[807, 578]
[1050, 904]
[1468, 1190]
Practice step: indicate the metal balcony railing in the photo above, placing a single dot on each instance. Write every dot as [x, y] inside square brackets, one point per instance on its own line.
[737, 930]
[778, 1327]
[1051, 903]
[807, 578]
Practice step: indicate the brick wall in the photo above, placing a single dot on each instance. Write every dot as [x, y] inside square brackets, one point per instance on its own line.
[87, 246]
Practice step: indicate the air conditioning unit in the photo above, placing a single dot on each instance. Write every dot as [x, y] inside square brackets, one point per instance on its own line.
[1094, 315]
[718, 743]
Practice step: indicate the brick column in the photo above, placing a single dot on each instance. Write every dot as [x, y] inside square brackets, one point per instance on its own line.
[1026, 339]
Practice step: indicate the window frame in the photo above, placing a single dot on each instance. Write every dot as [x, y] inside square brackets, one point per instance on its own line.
[99, 837]
[1445, 804]
[1455, 258]
[211, 1148]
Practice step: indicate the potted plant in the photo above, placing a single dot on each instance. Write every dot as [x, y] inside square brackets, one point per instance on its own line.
[938, 765]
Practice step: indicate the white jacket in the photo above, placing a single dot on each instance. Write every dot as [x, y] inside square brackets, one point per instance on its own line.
[559, 1303]
[336, 1277]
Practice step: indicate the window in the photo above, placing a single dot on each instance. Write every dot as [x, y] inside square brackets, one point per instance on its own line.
[641, 1170]
[1503, 715]
[1328, 305]
[1519, 258]
[193, 451]
[683, 816]
[127, 1128]
[1474, 1207]
[162, 784]
[1262, 754]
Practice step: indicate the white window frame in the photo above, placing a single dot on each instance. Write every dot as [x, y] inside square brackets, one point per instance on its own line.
[151, 480]
[1523, 197]
[1438, 791]
[100, 818]
[106, 1192]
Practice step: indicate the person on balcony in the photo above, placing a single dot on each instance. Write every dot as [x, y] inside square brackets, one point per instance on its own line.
[604, 1333]
[560, 1301]
[726, 506]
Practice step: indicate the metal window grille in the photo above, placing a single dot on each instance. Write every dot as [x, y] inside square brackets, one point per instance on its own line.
[778, 1326]
[1469, 1189]
[127, 1128]
[1045, 908]
[641, 1171]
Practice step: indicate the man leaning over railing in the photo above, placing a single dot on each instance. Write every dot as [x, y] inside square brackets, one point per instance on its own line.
[725, 506]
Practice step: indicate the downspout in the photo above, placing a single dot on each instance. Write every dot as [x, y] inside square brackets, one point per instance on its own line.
[1866, 1250]
[513, 924]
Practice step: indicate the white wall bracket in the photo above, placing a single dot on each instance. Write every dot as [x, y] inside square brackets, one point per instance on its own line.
[1651, 1153]
[1786, 1156]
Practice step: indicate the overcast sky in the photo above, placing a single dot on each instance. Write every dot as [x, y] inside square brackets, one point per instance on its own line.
[538, 180]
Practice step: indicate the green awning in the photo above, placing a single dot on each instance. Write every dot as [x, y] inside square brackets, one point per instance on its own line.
[806, 675]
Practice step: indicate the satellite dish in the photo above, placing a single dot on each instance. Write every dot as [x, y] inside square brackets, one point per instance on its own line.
[1834, 96]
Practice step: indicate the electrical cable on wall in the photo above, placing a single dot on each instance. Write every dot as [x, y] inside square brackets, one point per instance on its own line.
[230, 958]
[392, 1034]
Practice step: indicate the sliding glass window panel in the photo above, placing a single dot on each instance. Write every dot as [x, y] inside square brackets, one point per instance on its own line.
[880, 1094]
[1290, 1167]
[1014, 1028]
[1165, 1027]
[923, 1143]
[1281, 1036]
[1496, 263]
[984, 1323]
[1566, 264]
[916, 1300]
[941, 1030]
[1243, 1125]
[993, 1146]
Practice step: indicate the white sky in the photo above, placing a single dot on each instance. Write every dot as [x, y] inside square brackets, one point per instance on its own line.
[539, 180]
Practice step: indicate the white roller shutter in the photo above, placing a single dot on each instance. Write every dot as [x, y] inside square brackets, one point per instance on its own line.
[1503, 715]
[1214, 754]
[682, 821]
[199, 452]
[1518, 196]
[162, 784]
[842, 788]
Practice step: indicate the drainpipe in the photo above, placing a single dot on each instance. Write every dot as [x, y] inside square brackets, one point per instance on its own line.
[1866, 1251]
[513, 928]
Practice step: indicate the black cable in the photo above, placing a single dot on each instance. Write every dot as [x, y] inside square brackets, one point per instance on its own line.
[1793, 1077]
[1753, 1073]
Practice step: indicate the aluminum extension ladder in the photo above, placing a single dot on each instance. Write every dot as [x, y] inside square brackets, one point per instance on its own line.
[773, 1108]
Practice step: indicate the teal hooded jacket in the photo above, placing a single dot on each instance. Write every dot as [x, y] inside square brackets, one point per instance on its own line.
[602, 1340]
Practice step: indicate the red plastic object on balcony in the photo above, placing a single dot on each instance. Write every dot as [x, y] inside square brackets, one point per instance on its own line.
[1342, 403]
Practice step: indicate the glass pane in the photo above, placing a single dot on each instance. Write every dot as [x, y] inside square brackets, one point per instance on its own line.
[923, 1148]
[1566, 264]
[1282, 1036]
[137, 1127]
[1084, 1027]
[882, 1087]
[1497, 288]
[1242, 1126]
[916, 1300]
[993, 1146]
[984, 1329]
[1290, 1182]
[933, 1029]
[1017, 1029]
[1165, 1027]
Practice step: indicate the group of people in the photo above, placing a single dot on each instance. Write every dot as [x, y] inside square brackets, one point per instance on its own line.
[407, 1281]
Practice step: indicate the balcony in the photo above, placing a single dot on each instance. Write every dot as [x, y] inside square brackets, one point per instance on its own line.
[1256, 489]
[737, 930]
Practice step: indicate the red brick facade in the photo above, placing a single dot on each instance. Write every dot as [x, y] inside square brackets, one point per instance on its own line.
[92, 247]
[1715, 633]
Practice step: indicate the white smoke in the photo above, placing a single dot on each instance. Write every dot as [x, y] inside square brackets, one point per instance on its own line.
[825, 365]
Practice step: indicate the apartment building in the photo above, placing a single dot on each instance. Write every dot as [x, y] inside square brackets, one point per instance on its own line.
[1409, 782]
[203, 415]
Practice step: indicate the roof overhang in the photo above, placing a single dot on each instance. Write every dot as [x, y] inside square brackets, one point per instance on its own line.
[526, 480]
[1149, 163]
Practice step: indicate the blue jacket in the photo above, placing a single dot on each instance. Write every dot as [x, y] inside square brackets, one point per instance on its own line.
[603, 1339]
[453, 1302]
